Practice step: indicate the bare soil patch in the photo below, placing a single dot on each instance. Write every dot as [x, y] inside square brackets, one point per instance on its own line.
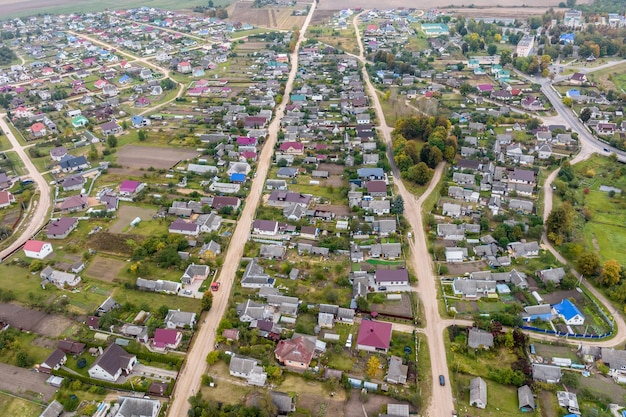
[137, 157]
[462, 268]
[113, 243]
[105, 269]
[127, 214]
[558, 296]
[399, 308]
[337, 209]
[25, 383]
[34, 320]
[320, 406]
[333, 169]
[271, 17]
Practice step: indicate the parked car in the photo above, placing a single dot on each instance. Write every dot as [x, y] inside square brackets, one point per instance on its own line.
[442, 380]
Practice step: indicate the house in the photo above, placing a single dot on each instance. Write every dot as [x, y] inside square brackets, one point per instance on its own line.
[37, 249]
[231, 334]
[137, 407]
[71, 164]
[195, 273]
[456, 254]
[539, 312]
[210, 250]
[180, 226]
[160, 285]
[286, 172]
[292, 148]
[250, 311]
[546, 373]
[283, 402]
[569, 401]
[111, 128]
[255, 277]
[220, 202]
[522, 176]
[106, 306]
[397, 372]
[474, 288]
[74, 203]
[38, 130]
[139, 333]
[272, 252]
[478, 393]
[386, 250]
[176, 319]
[297, 352]
[523, 249]
[130, 188]
[578, 78]
[6, 198]
[614, 359]
[377, 188]
[479, 339]
[242, 367]
[59, 278]
[113, 362]
[208, 223]
[167, 339]
[73, 182]
[554, 275]
[265, 227]
[53, 362]
[58, 153]
[374, 336]
[525, 399]
[391, 277]
[371, 174]
[570, 314]
[54, 409]
[279, 198]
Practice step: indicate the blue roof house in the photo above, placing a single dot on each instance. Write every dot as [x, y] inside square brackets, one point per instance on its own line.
[124, 79]
[569, 313]
[237, 178]
[566, 38]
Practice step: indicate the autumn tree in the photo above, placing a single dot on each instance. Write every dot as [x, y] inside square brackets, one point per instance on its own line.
[610, 275]
[588, 263]
[207, 300]
[560, 223]
[373, 364]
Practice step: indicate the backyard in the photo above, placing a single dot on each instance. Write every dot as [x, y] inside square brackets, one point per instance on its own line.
[17, 407]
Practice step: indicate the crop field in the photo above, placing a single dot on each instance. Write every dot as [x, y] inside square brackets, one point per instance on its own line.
[137, 157]
[105, 269]
[270, 17]
[503, 6]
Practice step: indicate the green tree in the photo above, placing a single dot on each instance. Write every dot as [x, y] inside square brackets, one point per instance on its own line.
[585, 114]
[466, 89]
[23, 360]
[588, 263]
[492, 49]
[213, 357]
[560, 223]
[111, 141]
[207, 300]
[419, 173]
[397, 205]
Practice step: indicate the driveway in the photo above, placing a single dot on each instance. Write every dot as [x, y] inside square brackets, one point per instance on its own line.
[25, 383]
[151, 371]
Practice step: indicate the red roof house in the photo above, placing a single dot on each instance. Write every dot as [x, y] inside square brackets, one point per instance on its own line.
[374, 336]
[6, 198]
[37, 249]
[296, 352]
[166, 339]
[292, 148]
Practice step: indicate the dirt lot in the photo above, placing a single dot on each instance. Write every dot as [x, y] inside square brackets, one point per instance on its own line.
[396, 307]
[458, 269]
[33, 320]
[135, 157]
[558, 296]
[274, 17]
[332, 169]
[127, 214]
[25, 383]
[105, 269]
[115, 243]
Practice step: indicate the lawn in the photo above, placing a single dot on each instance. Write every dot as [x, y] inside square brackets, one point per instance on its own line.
[383, 262]
[17, 407]
[501, 399]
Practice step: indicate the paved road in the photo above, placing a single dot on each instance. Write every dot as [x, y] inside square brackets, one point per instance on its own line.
[442, 402]
[204, 341]
[40, 214]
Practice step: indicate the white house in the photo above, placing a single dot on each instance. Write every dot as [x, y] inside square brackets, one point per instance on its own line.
[37, 249]
[113, 362]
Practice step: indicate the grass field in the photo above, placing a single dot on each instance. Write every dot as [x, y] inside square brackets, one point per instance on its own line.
[615, 75]
[501, 399]
[17, 407]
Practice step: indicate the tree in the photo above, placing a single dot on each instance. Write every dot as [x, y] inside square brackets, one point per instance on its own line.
[23, 360]
[560, 223]
[142, 135]
[466, 89]
[373, 364]
[570, 379]
[420, 173]
[282, 162]
[207, 300]
[505, 57]
[492, 49]
[35, 266]
[585, 114]
[588, 263]
[610, 273]
[213, 357]
[570, 3]
[111, 141]
[93, 152]
[567, 101]
[362, 304]
[397, 205]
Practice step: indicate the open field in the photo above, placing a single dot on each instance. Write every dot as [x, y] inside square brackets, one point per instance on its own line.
[105, 269]
[137, 157]
[127, 214]
[612, 76]
[26, 383]
[33, 320]
[14, 8]
[508, 7]
[11, 406]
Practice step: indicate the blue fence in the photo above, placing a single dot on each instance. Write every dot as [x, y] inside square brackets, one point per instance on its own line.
[574, 335]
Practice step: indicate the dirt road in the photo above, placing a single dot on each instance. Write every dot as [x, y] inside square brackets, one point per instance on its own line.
[39, 216]
[195, 365]
[420, 259]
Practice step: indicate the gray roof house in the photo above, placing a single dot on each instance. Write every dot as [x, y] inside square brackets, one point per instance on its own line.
[242, 367]
[160, 285]
[54, 409]
[255, 277]
[194, 273]
[283, 402]
[397, 372]
[554, 275]
[479, 339]
[250, 311]
[525, 399]
[478, 393]
[179, 319]
[273, 251]
[546, 373]
[615, 359]
[133, 407]
[523, 249]
[386, 250]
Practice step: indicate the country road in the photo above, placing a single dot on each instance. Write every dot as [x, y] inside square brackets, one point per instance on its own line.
[39, 216]
[442, 401]
[195, 365]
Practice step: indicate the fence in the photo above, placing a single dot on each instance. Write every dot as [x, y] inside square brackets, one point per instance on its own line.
[574, 335]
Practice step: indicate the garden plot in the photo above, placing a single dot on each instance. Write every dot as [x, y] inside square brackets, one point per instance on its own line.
[144, 157]
[105, 269]
[127, 214]
[33, 320]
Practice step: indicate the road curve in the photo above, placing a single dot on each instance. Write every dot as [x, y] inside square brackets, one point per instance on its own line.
[195, 365]
[39, 216]
[420, 260]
